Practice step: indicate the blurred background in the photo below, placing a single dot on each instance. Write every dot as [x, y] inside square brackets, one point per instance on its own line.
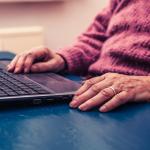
[55, 23]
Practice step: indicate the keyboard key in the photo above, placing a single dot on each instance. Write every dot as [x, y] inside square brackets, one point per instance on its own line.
[3, 95]
[12, 93]
[30, 91]
[21, 92]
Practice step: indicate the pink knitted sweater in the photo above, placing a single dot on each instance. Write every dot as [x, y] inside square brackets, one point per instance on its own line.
[117, 41]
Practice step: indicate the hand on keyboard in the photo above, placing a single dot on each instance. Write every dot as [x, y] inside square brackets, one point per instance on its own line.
[37, 60]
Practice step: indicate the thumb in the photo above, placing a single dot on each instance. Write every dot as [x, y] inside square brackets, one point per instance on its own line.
[44, 66]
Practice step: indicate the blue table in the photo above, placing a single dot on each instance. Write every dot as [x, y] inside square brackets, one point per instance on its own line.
[57, 127]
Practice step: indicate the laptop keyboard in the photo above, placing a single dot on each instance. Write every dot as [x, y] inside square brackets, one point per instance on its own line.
[11, 86]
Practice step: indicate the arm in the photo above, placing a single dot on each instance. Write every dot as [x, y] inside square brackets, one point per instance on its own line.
[78, 57]
[87, 48]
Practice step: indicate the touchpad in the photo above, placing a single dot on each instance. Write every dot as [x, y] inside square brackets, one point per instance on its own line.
[55, 82]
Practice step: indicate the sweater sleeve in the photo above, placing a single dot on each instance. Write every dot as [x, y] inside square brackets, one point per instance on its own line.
[87, 48]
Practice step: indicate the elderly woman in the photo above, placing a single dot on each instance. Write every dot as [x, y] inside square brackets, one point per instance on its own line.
[115, 50]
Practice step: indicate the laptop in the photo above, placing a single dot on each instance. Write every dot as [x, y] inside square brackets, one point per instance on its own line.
[35, 88]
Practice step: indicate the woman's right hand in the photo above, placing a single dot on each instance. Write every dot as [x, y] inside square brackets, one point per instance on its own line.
[37, 60]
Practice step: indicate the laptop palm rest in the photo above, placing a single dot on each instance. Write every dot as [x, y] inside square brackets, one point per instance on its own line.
[54, 82]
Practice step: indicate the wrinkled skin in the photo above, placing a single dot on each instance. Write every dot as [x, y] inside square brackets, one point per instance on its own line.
[110, 91]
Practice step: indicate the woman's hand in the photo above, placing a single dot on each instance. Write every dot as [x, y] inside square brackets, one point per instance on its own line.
[37, 60]
[110, 91]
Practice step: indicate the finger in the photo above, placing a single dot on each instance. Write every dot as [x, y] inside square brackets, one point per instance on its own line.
[12, 64]
[20, 64]
[44, 66]
[116, 101]
[91, 92]
[28, 62]
[88, 84]
[41, 53]
[98, 100]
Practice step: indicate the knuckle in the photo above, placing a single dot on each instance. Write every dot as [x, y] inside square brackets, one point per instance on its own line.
[89, 82]
[46, 51]
[29, 54]
[108, 74]
[39, 47]
[95, 88]
[18, 66]
[21, 55]
[119, 86]
[119, 97]
[26, 64]
[106, 93]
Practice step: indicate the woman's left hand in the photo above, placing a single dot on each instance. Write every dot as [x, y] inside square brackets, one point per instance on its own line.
[110, 91]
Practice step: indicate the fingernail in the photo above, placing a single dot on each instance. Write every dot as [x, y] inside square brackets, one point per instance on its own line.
[73, 104]
[8, 67]
[16, 71]
[83, 107]
[103, 109]
[26, 71]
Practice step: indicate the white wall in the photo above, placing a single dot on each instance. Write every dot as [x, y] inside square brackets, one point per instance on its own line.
[62, 21]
